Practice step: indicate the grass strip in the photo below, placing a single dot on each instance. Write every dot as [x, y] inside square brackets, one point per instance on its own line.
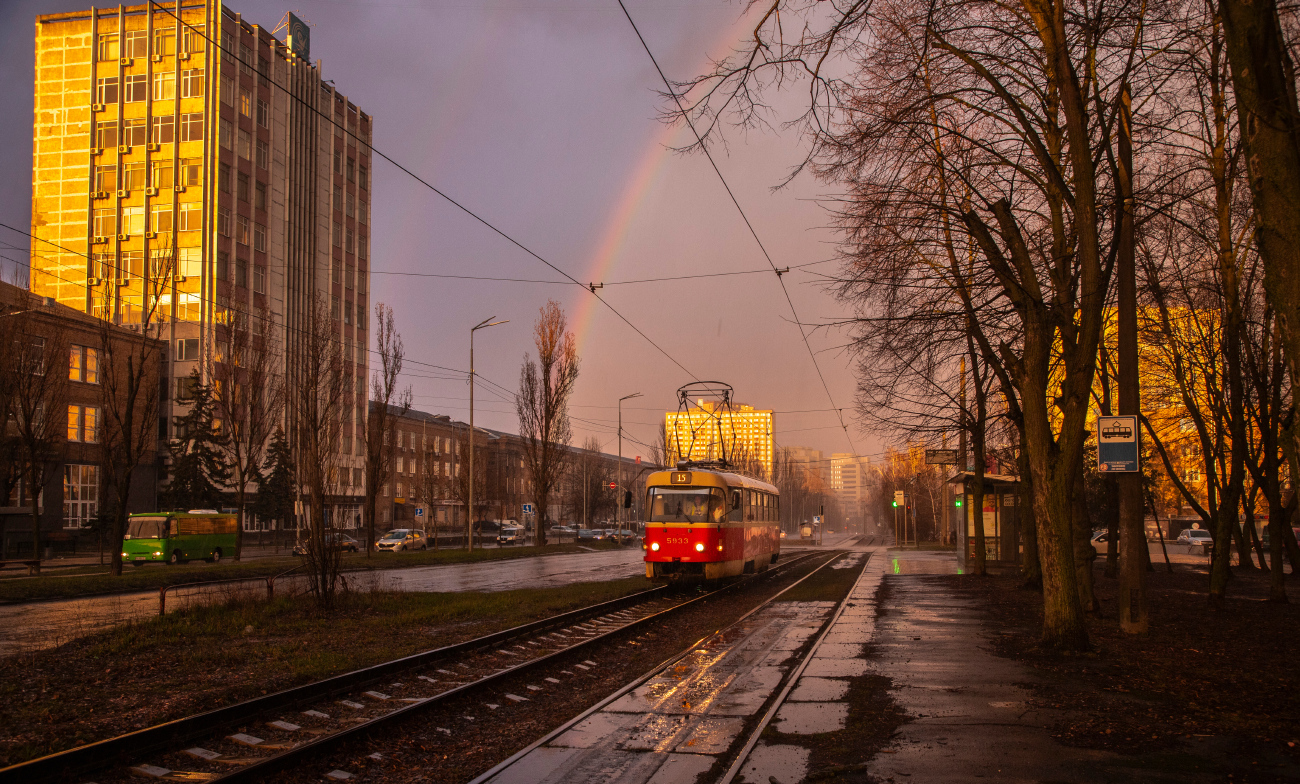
[154, 576]
[198, 659]
[829, 584]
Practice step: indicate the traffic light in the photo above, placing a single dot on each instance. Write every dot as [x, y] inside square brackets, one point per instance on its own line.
[627, 499]
[895, 504]
[956, 501]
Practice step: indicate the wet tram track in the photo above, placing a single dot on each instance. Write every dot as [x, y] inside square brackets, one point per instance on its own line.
[287, 733]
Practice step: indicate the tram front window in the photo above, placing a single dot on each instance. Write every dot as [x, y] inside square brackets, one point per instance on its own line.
[686, 505]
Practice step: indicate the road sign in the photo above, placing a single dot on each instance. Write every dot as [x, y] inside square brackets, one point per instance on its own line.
[527, 508]
[612, 485]
[817, 519]
[1117, 444]
[898, 498]
[419, 512]
[941, 457]
[638, 460]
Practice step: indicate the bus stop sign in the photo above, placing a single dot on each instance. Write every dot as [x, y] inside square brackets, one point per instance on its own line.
[1117, 444]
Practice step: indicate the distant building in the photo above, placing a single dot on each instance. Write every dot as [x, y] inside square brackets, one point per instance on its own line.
[849, 474]
[202, 176]
[813, 461]
[708, 432]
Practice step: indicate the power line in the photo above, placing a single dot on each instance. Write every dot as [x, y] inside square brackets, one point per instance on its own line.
[430, 186]
[703, 147]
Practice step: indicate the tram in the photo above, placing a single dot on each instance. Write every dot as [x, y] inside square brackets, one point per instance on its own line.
[706, 524]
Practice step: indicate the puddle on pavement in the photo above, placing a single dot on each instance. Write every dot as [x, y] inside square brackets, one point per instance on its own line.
[811, 718]
[784, 764]
[947, 565]
[819, 690]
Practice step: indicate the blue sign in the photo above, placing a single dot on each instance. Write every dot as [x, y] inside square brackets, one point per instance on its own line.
[528, 508]
[1118, 445]
[299, 37]
[419, 512]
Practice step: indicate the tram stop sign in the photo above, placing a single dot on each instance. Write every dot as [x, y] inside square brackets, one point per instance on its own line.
[1117, 444]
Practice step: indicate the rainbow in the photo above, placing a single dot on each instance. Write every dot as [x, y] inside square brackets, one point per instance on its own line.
[644, 175]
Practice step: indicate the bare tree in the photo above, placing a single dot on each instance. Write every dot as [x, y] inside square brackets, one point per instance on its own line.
[41, 414]
[316, 398]
[543, 406]
[456, 487]
[382, 418]
[10, 348]
[248, 395]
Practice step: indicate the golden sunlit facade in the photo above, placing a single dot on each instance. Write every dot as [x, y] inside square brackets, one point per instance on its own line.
[746, 435]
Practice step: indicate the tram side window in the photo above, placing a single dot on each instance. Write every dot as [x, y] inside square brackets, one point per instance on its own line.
[737, 505]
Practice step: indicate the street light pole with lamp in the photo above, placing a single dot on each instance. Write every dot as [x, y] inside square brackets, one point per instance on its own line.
[617, 500]
[469, 522]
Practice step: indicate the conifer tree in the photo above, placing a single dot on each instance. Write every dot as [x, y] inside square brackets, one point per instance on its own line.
[198, 468]
[276, 493]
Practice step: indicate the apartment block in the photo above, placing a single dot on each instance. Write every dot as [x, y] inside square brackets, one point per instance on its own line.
[709, 431]
[195, 174]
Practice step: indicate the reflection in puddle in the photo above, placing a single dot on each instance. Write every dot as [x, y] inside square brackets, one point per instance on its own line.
[925, 566]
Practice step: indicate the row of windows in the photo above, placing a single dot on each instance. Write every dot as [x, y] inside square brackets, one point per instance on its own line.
[242, 189]
[134, 88]
[348, 203]
[241, 273]
[349, 240]
[189, 217]
[242, 142]
[135, 176]
[129, 264]
[244, 230]
[355, 173]
[135, 43]
[441, 445]
[136, 131]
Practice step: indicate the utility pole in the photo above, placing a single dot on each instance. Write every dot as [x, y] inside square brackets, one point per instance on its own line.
[618, 501]
[469, 522]
[962, 457]
[1133, 617]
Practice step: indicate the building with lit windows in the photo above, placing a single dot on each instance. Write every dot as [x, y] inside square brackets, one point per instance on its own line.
[194, 174]
[707, 431]
[849, 474]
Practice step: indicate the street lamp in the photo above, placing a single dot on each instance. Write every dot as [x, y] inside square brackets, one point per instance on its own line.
[617, 500]
[469, 522]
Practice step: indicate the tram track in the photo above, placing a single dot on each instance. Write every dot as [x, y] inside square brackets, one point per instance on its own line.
[252, 740]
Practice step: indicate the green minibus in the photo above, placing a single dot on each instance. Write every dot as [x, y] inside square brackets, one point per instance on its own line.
[177, 537]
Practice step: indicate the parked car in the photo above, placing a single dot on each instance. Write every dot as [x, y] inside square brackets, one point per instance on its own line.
[402, 539]
[510, 535]
[590, 534]
[341, 542]
[487, 526]
[563, 530]
[1194, 537]
[1099, 537]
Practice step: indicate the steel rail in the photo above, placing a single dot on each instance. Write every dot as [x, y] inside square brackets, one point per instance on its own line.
[258, 771]
[653, 671]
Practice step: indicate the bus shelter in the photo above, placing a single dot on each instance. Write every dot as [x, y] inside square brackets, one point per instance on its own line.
[1003, 544]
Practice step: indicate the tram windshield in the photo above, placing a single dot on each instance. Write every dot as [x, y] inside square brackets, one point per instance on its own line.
[686, 505]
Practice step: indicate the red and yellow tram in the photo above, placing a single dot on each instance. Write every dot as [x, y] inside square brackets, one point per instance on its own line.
[703, 524]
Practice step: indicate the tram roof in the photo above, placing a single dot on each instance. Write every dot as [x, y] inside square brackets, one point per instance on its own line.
[731, 479]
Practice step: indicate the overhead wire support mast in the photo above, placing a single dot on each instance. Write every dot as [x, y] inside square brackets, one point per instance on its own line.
[779, 272]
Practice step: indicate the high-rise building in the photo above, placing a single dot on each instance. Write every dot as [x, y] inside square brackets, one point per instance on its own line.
[813, 461]
[708, 431]
[193, 174]
[849, 478]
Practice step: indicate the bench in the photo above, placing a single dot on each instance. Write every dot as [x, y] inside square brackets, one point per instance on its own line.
[33, 564]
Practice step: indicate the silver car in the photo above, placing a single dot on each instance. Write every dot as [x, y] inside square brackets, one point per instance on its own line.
[400, 539]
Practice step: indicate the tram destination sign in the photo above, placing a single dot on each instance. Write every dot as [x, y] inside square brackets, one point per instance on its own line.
[1117, 444]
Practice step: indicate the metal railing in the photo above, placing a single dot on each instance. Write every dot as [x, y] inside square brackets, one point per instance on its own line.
[270, 586]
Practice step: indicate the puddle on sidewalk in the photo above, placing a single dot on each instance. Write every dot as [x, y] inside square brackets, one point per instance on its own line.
[784, 764]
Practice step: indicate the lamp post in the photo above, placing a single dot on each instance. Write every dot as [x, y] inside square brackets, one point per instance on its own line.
[619, 501]
[469, 522]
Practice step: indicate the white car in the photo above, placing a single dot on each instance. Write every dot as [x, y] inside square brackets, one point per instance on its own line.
[1195, 536]
[400, 539]
[510, 535]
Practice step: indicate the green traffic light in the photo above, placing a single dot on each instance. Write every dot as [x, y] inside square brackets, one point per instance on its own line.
[895, 504]
[957, 502]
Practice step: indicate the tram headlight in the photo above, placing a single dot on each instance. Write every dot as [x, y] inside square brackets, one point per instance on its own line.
[654, 546]
[699, 547]
[719, 546]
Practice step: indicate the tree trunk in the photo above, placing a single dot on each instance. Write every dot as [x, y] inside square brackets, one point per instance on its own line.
[1031, 574]
[1084, 552]
[36, 514]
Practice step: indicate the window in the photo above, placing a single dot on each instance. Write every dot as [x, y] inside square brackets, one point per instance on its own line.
[83, 424]
[133, 178]
[135, 43]
[106, 178]
[334, 308]
[241, 273]
[162, 175]
[80, 495]
[223, 222]
[263, 114]
[361, 177]
[259, 196]
[401, 461]
[245, 144]
[192, 127]
[83, 365]
[243, 233]
[352, 169]
[259, 279]
[245, 103]
[338, 161]
[347, 280]
[105, 223]
[164, 86]
[223, 265]
[361, 247]
[228, 44]
[108, 48]
[106, 135]
[103, 265]
[350, 245]
[135, 88]
[351, 205]
[246, 60]
[192, 83]
[186, 386]
[164, 41]
[163, 130]
[106, 89]
[132, 264]
[192, 39]
[134, 132]
[191, 171]
[227, 135]
[338, 235]
[223, 177]
[190, 262]
[161, 218]
[338, 198]
[347, 312]
[259, 237]
[361, 315]
[191, 216]
[187, 349]
[361, 213]
[243, 185]
[133, 221]
[263, 155]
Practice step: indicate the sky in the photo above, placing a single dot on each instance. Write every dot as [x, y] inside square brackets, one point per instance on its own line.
[542, 117]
